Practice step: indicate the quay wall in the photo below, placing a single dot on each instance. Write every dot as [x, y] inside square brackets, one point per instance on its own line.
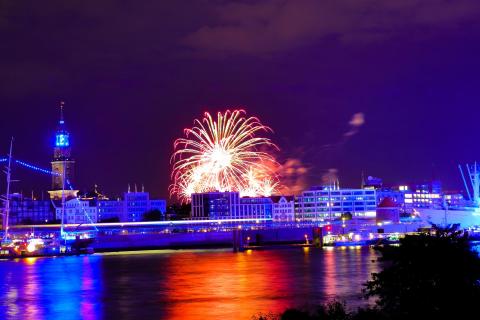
[200, 239]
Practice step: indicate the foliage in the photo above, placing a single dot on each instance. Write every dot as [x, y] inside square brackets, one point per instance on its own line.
[179, 211]
[153, 215]
[428, 276]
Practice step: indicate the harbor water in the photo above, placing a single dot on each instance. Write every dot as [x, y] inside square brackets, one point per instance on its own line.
[182, 284]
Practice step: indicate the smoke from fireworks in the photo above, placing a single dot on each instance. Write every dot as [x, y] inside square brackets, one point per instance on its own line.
[225, 154]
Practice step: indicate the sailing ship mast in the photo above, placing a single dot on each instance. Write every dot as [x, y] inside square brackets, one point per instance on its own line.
[8, 172]
[473, 174]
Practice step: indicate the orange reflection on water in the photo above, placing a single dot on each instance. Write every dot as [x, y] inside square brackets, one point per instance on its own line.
[330, 271]
[224, 286]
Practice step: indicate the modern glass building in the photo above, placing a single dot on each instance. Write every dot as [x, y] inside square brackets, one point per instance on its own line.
[229, 205]
[327, 203]
[215, 205]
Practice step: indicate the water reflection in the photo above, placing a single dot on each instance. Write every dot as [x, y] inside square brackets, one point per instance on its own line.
[46, 288]
[180, 284]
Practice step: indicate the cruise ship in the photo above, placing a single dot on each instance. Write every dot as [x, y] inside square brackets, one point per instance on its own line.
[466, 216]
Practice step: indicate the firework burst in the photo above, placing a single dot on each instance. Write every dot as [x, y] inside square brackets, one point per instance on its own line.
[225, 154]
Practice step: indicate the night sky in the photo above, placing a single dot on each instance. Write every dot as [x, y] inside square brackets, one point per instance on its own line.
[391, 88]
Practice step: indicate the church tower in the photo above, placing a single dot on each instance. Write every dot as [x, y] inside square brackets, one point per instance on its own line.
[63, 165]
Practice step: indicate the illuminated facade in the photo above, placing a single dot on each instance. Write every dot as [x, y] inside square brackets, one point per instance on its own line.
[131, 208]
[25, 210]
[78, 212]
[229, 205]
[215, 205]
[254, 208]
[283, 208]
[138, 203]
[422, 198]
[327, 204]
[63, 165]
[110, 210]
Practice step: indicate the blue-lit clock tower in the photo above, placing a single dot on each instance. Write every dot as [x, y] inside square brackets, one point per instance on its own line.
[63, 165]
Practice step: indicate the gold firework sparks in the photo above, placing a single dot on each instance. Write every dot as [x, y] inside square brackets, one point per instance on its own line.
[224, 154]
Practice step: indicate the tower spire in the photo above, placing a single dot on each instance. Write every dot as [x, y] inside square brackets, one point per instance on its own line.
[62, 104]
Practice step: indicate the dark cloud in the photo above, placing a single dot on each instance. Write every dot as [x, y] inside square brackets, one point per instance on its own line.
[266, 27]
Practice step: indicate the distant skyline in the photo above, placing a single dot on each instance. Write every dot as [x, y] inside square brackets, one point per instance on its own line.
[388, 88]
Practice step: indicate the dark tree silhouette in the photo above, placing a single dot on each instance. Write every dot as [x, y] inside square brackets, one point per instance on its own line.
[153, 215]
[428, 276]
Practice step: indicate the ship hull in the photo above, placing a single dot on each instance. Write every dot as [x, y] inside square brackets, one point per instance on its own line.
[466, 218]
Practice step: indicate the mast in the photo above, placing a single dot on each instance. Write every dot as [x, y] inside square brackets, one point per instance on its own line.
[465, 182]
[476, 185]
[473, 172]
[7, 200]
[63, 200]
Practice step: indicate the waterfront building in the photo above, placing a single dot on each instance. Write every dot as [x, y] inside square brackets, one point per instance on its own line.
[215, 205]
[283, 208]
[63, 165]
[78, 211]
[131, 208]
[138, 203]
[329, 203]
[229, 205]
[111, 210]
[24, 210]
[422, 196]
[254, 208]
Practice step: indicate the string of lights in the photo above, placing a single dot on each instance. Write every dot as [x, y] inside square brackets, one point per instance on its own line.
[35, 168]
[49, 172]
[83, 209]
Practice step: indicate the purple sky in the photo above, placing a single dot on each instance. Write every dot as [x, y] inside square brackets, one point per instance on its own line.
[388, 87]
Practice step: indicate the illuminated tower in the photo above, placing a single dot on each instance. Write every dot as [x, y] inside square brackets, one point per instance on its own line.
[63, 165]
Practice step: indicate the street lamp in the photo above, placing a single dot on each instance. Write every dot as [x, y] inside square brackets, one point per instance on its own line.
[343, 225]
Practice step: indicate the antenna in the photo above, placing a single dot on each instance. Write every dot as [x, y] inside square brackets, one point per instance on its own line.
[62, 105]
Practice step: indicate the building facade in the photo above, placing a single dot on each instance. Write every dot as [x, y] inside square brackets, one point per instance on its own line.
[131, 209]
[215, 205]
[138, 203]
[25, 210]
[255, 208]
[111, 210]
[78, 212]
[283, 208]
[229, 205]
[327, 204]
